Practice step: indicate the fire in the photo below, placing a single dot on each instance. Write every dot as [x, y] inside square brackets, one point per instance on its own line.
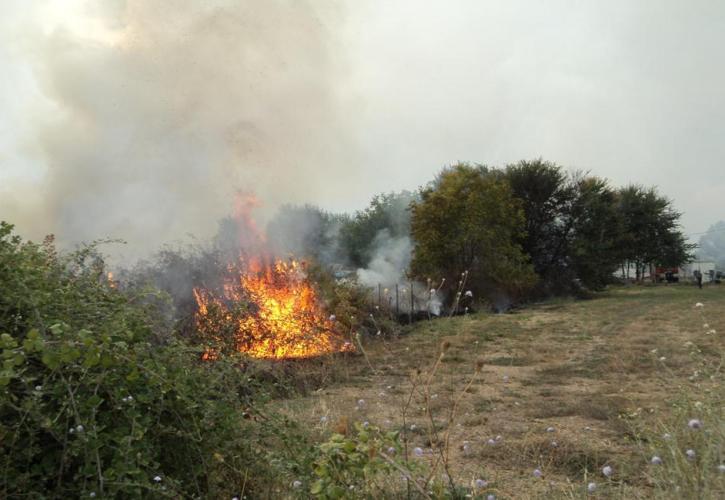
[267, 310]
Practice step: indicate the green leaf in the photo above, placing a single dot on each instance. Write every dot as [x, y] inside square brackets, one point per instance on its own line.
[51, 360]
[133, 375]
[317, 487]
[7, 342]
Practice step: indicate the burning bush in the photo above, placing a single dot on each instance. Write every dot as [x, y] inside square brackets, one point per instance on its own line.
[266, 310]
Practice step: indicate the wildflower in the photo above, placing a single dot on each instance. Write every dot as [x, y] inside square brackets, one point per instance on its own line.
[690, 454]
[361, 402]
[721, 468]
[699, 304]
[694, 424]
[666, 436]
[92, 494]
[550, 429]
[391, 450]
[71, 431]
[655, 460]
[79, 428]
[491, 442]
[705, 325]
[592, 487]
[323, 419]
[38, 388]
[333, 317]
[417, 451]
[381, 394]
[413, 427]
[235, 498]
[607, 471]
[351, 487]
[554, 444]
[491, 497]
[434, 396]
[537, 473]
[499, 437]
[432, 291]
[297, 483]
[505, 379]
[365, 424]
[468, 293]
[711, 332]
[480, 483]
[157, 479]
[663, 359]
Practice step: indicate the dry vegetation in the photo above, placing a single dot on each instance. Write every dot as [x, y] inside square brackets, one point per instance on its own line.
[567, 387]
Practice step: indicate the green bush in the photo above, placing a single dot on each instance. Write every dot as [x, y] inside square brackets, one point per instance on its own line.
[90, 406]
[357, 465]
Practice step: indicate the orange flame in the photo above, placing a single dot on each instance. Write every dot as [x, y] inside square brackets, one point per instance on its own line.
[283, 319]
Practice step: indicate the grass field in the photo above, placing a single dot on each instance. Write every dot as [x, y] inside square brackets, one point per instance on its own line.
[566, 387]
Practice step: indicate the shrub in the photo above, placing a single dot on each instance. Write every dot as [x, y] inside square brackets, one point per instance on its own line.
[89, 406]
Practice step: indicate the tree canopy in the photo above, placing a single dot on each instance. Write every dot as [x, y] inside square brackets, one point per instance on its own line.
[469, 220]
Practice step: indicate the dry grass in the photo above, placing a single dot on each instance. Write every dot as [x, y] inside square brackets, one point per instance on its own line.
[586, 369]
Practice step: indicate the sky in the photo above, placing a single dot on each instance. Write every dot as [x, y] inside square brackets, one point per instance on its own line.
[140, 119]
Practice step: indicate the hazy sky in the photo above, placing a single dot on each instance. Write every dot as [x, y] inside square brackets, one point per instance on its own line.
[138, 119]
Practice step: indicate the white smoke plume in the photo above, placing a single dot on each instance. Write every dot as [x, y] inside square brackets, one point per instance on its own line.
[387, 267]
[390, 259]
[162, 110]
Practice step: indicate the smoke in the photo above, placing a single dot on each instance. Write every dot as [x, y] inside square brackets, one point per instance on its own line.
[162, 110]
[390, 258]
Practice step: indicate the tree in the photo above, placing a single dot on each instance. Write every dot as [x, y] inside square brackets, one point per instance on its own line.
[386, 212]
[548, 197]
[651, 234]
[469, 220]
[594, 250]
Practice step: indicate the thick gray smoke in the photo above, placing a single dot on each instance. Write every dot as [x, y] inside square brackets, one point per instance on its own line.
[175, 107]
[712, 245]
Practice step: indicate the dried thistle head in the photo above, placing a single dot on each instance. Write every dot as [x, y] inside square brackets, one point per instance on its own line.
[342, 426]
[479, 365]
[445, 346]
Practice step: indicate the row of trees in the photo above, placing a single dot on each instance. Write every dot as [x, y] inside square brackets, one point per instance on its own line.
[528, 228]
[533, 226]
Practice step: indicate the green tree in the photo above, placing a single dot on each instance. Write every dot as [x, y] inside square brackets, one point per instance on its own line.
[594, 250]
[548, 197]
[651, 234]
[469, 220]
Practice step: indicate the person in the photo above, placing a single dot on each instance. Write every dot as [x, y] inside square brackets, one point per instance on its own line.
[698, 277]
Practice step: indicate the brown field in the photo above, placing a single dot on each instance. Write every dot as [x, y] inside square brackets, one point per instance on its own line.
[566, 387]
